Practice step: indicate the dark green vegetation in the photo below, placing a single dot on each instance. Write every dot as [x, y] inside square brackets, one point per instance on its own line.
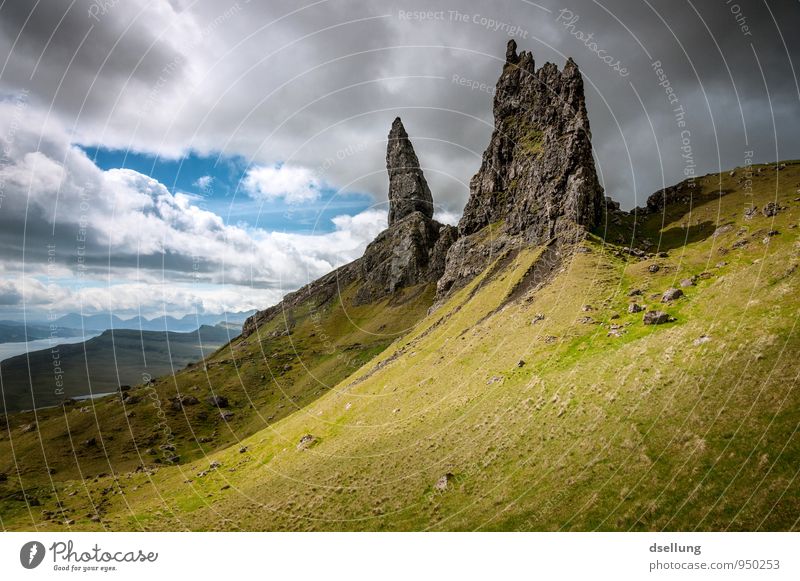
[16, 332]
[101, 364]
[508, 407]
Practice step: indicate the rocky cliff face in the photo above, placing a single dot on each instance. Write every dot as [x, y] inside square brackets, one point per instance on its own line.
[411, 251]
[537, 180]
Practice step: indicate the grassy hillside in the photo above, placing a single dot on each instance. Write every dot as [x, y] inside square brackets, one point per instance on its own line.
[264, 378]
[101, 364]
[510, 407]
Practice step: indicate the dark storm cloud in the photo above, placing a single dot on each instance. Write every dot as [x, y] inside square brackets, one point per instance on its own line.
[275, 81]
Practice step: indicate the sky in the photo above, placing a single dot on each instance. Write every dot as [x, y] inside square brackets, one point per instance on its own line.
[207, 156]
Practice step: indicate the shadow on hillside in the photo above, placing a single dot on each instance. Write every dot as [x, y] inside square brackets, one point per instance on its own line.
[678, 237]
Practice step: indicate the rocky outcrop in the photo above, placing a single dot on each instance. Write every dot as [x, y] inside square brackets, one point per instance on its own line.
[411, 251]
[408, 190]
[537, 180]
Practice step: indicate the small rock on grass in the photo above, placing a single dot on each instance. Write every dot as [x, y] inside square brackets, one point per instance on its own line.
[656, 318]
[444, 481]
[306, 442]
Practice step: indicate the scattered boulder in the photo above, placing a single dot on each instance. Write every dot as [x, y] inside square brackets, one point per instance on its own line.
[616, 331]
[587, 308]
[635, 292]
[635, 308]
[218, 401]
[215, 464]
[521, 363]
[700, 340]
[536, 318]
[653, 268]
[686, 282]
[656, 318]
[722, 230]
[306, 442]
[671, 294]
[90, 443]
[26, 428]
[243, 449]
[444, 482]
[771, 209]
[750, 212]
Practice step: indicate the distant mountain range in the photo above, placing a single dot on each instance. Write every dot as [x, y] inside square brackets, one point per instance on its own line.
[102, 364]
[75, 325]
[104, 321]
[16, 331]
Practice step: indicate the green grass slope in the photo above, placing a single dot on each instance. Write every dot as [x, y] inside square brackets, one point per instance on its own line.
[519, 408]
[264, 378]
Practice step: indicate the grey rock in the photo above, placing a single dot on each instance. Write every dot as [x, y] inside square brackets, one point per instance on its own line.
[218, 401]
[653, 268]
[771, 209]
[635, 308]
[306, 442]
[444, 482]
[656, 318]
[537, 181]
[687, 282]
[671, 294]
[408, 189]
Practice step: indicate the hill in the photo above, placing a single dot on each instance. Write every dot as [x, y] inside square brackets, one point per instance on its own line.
[101, 365]
[17, 332]
[565, 366]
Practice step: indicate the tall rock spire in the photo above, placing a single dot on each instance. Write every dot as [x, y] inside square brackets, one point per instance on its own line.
[537, 181]
[408, 190]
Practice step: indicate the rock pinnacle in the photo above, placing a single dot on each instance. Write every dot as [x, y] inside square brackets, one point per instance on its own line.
[408, 190]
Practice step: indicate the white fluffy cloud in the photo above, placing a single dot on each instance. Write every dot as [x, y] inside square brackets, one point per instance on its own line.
[294, 184]
[65, 218]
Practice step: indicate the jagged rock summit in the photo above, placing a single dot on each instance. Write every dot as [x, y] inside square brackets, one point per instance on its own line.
[537, 181]
[408, 190]
[410, 252]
